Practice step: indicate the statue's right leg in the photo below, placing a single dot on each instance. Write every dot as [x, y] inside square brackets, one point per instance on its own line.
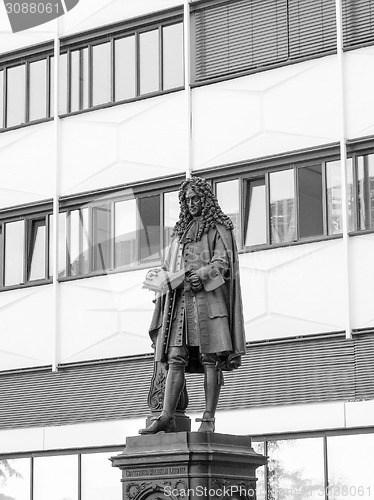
[175, 380]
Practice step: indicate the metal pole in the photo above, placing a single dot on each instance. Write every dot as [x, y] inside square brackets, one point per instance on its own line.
[187, 85]
[343, 164]
[56, 194]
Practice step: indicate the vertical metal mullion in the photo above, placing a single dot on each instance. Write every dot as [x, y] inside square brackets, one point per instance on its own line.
[69, 82]
[4, 96]
[68, 242]
[161, 57]
[266, 474]
[80, 239]
[81, 83]
[137, 64]
[27, 92]
[90, 240]
[90, 76]
[112, 71]
[46, 245]
[31, 478]
[79, 476]
[356, 211]
[138, 230]
[325, 469]
[25, 249]
[111, 236]
[268, 215]
[48, 87]
[324, 199]
[297, 201]
[367, 193]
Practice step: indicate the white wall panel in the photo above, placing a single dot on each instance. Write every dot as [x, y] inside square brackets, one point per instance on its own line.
[359, 74]
[91, 13]
[27, 165]
[266, 113]
[105, 317]
[123, 144]
[293, 290]
[362, 280]
[26, 327]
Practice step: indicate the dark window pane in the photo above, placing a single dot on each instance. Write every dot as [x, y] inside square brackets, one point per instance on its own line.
[228, 198]
[125, 240]
[16, 96]
[85, 78]
[255, 213]
[36, 250]
[15, 479]
[63, 84]
[101, 73]
[173, 55]
[310, 201]
[1, 99]
[101, 238]
[55, 478]
[347, 476]
[361, 187]
[14, 252]
[125, 68]
[282, 206]
[38, 90]
[290, 478]
[149, 62]
[149, 209]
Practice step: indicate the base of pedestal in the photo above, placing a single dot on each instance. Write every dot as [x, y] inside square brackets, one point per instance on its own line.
[188, 465]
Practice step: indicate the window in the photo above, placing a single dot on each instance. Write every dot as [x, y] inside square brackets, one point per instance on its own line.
[55, 478]
[256, 215]
[150, 223]
[101, 73]
[16, 94]
[77, 242]
[79, 79]
[36, 240]
[14, 253]
[365, 191]
[63, 84]
[149, 62]
[172, 45]
[125, 68]
[171, 215]
[99, 479]
[15, 478]
[1, 99]
[125, 236]
[101, 237]
[282, 206]
[310, 201]
[38, 90]
[228, 197]
[358, 22]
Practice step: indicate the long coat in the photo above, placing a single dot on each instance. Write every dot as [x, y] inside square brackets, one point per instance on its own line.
[219, 310]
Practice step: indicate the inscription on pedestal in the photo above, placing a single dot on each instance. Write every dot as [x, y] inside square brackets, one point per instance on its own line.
[155, 471]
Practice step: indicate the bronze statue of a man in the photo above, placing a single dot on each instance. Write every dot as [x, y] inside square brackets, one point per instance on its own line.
[198, 326]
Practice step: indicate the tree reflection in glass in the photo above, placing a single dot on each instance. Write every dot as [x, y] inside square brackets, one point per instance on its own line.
[282, 206]
[15, 479]
[295, 469]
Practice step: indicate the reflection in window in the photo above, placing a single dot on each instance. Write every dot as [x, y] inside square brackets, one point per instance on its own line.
[256, 215]
[36, 250]
[51, 86]
[149, 210]
[101, 73]
[259, 447]
[125, 68]
[349, 477]
[79, 79]
[282, 206]
[15, 479]
[228, 198]
[14, 253]
[61, 245]
[15, 96]
[125, 233]
[171, 215]
[99, 480]
[56, 478]
[149, 62]
[1, 99]
[78, 248]
[38, 90]
[310, 201]
[63, 84]
[101, 237]
[172, 46]
[334, 197]
[295, 469]
[365, 191]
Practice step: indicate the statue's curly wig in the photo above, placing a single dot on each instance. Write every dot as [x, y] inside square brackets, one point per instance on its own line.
[211, 211]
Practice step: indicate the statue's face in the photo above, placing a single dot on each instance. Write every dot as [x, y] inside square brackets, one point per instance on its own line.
[193, 201]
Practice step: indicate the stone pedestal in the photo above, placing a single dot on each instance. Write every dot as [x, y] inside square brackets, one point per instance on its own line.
[188, 465]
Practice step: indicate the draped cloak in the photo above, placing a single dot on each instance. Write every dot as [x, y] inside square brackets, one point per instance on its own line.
[219, 311]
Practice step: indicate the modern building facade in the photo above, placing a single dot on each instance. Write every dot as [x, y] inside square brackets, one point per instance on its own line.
[102, 114]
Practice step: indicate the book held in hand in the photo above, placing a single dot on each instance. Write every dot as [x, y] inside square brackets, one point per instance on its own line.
[163, 281]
